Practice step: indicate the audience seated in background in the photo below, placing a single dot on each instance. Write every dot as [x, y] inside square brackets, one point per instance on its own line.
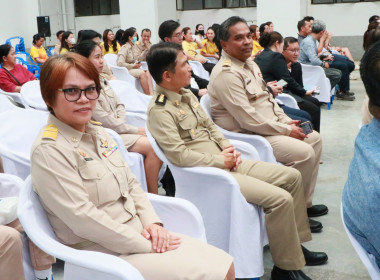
[67, 42]
[57, 46]
[241, 102]
[92, 199]
[190, 47]
[309, 55]
[12, 75]
[144, 44]
[110, 111]
[109, 44]
[361, 208]
[129, 56]
[37, 51]
[210, 50]
[257, 48]
[199, 34]
[275, 67]
[192, 139]
[118, 36]
[304, 28]
[171, 31]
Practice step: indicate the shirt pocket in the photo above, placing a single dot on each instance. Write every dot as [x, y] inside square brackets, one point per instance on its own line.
[251, 89]
[186, 125]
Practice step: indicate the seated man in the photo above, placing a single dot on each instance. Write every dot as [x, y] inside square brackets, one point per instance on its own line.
[361, 207]
[240, 102]
[171, 31]
[189, 138]
[309, 55]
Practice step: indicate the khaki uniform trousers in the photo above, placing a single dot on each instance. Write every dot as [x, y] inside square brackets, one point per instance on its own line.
[304, 156]
[11, 254]
[278, 189]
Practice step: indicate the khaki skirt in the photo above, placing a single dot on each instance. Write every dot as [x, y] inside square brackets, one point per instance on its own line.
[136, 72]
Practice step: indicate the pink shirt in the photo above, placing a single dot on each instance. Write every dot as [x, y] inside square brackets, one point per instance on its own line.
[8, 83]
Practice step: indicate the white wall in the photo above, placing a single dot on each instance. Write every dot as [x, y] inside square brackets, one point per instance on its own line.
[19, 18]
[345, 19]
[209, 17]
[98, 23]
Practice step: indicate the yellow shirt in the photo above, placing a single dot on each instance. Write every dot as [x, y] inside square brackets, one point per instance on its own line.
[209, 47]
[63, 50]
[38, 53]
[256, 47]
[110, 49]
[190, 48]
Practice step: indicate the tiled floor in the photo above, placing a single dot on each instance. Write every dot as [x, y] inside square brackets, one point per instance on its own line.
[339, 128]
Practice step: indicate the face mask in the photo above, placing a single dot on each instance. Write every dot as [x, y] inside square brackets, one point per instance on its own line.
[134, 40]
[72, 41]
[202, 32]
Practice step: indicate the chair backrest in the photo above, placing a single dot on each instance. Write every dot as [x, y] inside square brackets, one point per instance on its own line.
[17, 43]
[199, 70]
[315, 76]
[5, 102]
[31, 95]
[78, 264]
[133, 100]
[262, 146]
[367, 259]
[111, 59]
[121, 73]
[19, 129]
[287, 100]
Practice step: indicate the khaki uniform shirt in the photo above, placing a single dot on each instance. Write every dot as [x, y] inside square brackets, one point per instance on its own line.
[183, 130]
[141, 50]
[89, 193]
[129, 54]
[240, 101]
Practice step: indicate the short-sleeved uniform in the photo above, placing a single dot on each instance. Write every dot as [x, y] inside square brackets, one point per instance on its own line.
[240, 102]
[110, 111]
[188, 137]
[128, 56]
[94, 202]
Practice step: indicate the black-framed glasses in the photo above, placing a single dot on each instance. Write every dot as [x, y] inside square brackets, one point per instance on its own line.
[74, 94]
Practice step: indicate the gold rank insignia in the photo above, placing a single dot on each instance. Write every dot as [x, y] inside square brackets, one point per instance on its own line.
[195, 105]
[227, 63]
[176, 103]
[104, 143]
[95, 122]
[182, 112]
[82, 153]
[161, 99]
[51, 132]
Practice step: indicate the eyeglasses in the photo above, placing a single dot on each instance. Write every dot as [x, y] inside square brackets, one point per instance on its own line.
[178, 35]
[74, 94]
[293, 51]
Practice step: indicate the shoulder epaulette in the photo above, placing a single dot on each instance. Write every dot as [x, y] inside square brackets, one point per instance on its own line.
[50, 132]
[161, 99]
[227, 64]
[95, 123]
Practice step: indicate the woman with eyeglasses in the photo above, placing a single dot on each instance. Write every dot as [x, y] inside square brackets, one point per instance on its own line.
[278, 61]
[91, 198]
[129, 56]
[110, 111]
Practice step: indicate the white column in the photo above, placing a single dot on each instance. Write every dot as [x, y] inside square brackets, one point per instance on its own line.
[283, 14]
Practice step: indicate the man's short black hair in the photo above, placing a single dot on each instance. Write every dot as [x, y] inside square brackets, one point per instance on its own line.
[300, 24]
[308, 18]
[167, 29]
[262, 27]
[59, 32]
[162, 57]
[288, 41]
[224, 29]
[373, 18]
[370, 73]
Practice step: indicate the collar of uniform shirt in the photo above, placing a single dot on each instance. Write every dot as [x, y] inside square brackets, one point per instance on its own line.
[173, 96]
[235, 61]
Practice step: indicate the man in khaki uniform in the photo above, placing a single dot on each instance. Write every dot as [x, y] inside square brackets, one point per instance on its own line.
[189, 138]
[241, 102]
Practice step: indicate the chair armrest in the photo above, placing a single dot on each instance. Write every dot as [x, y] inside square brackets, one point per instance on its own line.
[287, 100]
[179, 215]
[247, 150]
[136, 119]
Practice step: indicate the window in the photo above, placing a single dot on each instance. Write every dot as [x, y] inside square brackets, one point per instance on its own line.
[185, 5]
[339, 1]
[96, 7]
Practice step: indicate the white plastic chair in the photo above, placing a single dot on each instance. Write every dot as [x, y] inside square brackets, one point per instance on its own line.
[6, 103]
[133, 100]
[199, 70]
[231, 223]
[10, 185]
[315, 76]
[367, 259]
[14, 95]
[31, 96]
[262, 146]
[88, 265]
[19, 129]
[287, 100]
[121, 73]
[136, 119]
[111, 59]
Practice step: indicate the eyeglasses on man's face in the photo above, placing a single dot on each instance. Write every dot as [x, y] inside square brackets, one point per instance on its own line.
[178, 35]
[74, 94]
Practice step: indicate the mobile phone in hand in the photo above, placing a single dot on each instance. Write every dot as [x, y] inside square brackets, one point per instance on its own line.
[307, 127]
[282, 83]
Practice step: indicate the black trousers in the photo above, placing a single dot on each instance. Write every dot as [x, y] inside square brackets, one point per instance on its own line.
[312, 106]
